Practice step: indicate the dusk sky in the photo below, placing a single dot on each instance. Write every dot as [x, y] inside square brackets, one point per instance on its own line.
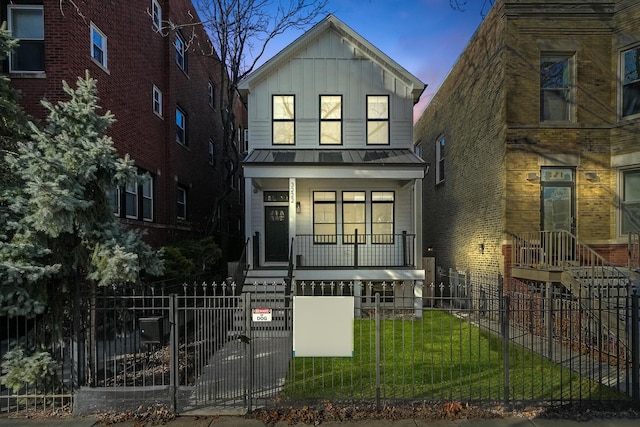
[423, 36]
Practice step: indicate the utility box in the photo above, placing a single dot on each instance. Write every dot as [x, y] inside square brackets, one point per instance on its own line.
[151, 330]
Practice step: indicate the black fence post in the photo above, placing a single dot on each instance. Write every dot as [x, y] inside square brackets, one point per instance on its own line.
[505, 336]
[404, 248]
[378, 358]
[256, 249]
[173, 350]
[635, 347]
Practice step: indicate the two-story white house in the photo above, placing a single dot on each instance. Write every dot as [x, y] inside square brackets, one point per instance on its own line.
[333, 186]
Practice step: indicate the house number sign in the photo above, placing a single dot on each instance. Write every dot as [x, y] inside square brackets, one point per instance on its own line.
[261, 315]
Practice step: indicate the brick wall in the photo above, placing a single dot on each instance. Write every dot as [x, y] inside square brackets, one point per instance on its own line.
[139, 57]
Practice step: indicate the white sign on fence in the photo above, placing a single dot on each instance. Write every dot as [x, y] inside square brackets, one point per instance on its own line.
[261, 315]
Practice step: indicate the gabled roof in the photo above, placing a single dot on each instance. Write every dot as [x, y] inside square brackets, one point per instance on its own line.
[361, 49]
[342, 157]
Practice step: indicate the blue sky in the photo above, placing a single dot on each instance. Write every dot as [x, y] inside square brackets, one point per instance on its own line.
[424, 36]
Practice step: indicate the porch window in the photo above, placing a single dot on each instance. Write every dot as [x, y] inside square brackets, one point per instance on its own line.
[378, 119]
[284, 120]
[630, 205]
[631, 82]
[353, 216]
[330, 119]
[324, 217]
[382, 217]
[556, 80]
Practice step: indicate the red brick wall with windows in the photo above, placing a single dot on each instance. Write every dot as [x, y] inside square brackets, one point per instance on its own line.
[139, 57]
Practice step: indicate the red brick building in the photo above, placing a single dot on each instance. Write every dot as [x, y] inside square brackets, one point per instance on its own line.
[161, 85]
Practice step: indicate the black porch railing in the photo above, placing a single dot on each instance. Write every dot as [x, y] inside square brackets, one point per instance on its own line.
[355, 250]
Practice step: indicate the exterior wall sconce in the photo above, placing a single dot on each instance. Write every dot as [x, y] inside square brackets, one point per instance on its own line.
[532, 177]
[591, 176]
[298, 207]
[481, 248]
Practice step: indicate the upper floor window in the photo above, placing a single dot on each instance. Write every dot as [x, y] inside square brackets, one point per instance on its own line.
[556, 82]
[212, 153]
[157, 101]
[156, 14]
[440, 160]
[378, 119]
[26, 23]
[181, 202]
[211, 93]
[324, 217]
[284, 119]
[382, 216]
[631, 82]
[147, 199]
[418, 149]
[98, 46]
[353, 216]
[330, 119]
[181, 52]
[181, 126]
[630, 204]
[135, 202]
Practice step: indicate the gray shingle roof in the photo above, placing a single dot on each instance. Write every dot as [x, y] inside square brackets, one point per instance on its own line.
[341, 157]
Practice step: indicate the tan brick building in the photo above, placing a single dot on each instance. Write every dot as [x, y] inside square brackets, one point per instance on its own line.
[536, 129]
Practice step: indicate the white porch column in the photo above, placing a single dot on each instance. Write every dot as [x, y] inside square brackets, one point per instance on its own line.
[248, 193]
[417, 197]
[417, 299]
[292, 210]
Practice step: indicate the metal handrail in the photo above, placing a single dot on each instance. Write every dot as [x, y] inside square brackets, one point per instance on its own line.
[240, 273]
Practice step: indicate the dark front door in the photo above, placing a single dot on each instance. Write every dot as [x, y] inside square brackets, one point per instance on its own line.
[276, 233]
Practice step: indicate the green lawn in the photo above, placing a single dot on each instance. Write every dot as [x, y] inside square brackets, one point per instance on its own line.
[437, 357]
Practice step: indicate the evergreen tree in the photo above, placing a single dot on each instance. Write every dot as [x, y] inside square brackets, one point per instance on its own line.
[63, 234]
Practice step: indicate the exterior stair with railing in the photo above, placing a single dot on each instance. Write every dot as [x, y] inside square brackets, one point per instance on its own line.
[600, 287]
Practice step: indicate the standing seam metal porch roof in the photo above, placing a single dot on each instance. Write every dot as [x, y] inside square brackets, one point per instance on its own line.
[342, 157]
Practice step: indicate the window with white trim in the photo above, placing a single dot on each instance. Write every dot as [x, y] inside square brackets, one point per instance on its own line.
[283, 128]
[26, 23]
[181, 52]
[331, 119]
[134, 200]
[181, 126]
[377, 119]
[630, 203]
[156, 14]
[98, 46]
[324, 217]
[147, 199]
[353, 216]
[131, 201]
[630, 64]
[114, 199]
[556, 86]
[157, 101]
[440, 160]
[181, 202]
[382, 217]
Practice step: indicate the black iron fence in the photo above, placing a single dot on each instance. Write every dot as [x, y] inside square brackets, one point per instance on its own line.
[469, 337]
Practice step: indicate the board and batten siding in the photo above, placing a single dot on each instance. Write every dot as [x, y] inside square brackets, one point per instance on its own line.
[328, 66]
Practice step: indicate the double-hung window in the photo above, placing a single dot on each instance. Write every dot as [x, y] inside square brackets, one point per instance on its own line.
[382, 216]
[147, 199]
[556, 82]
[440, 160]
[630, 204]
[98, 46]
[181, 202]
[26, 23]
[181, 126]
[377, 119]
[330, 119]
[181, 52]
[211, 93]
[324, 217]
[131, 200]
[284, 120]
[353, 216]
[156, 14]
[631, 82]
[134, 200]
[157, 101]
